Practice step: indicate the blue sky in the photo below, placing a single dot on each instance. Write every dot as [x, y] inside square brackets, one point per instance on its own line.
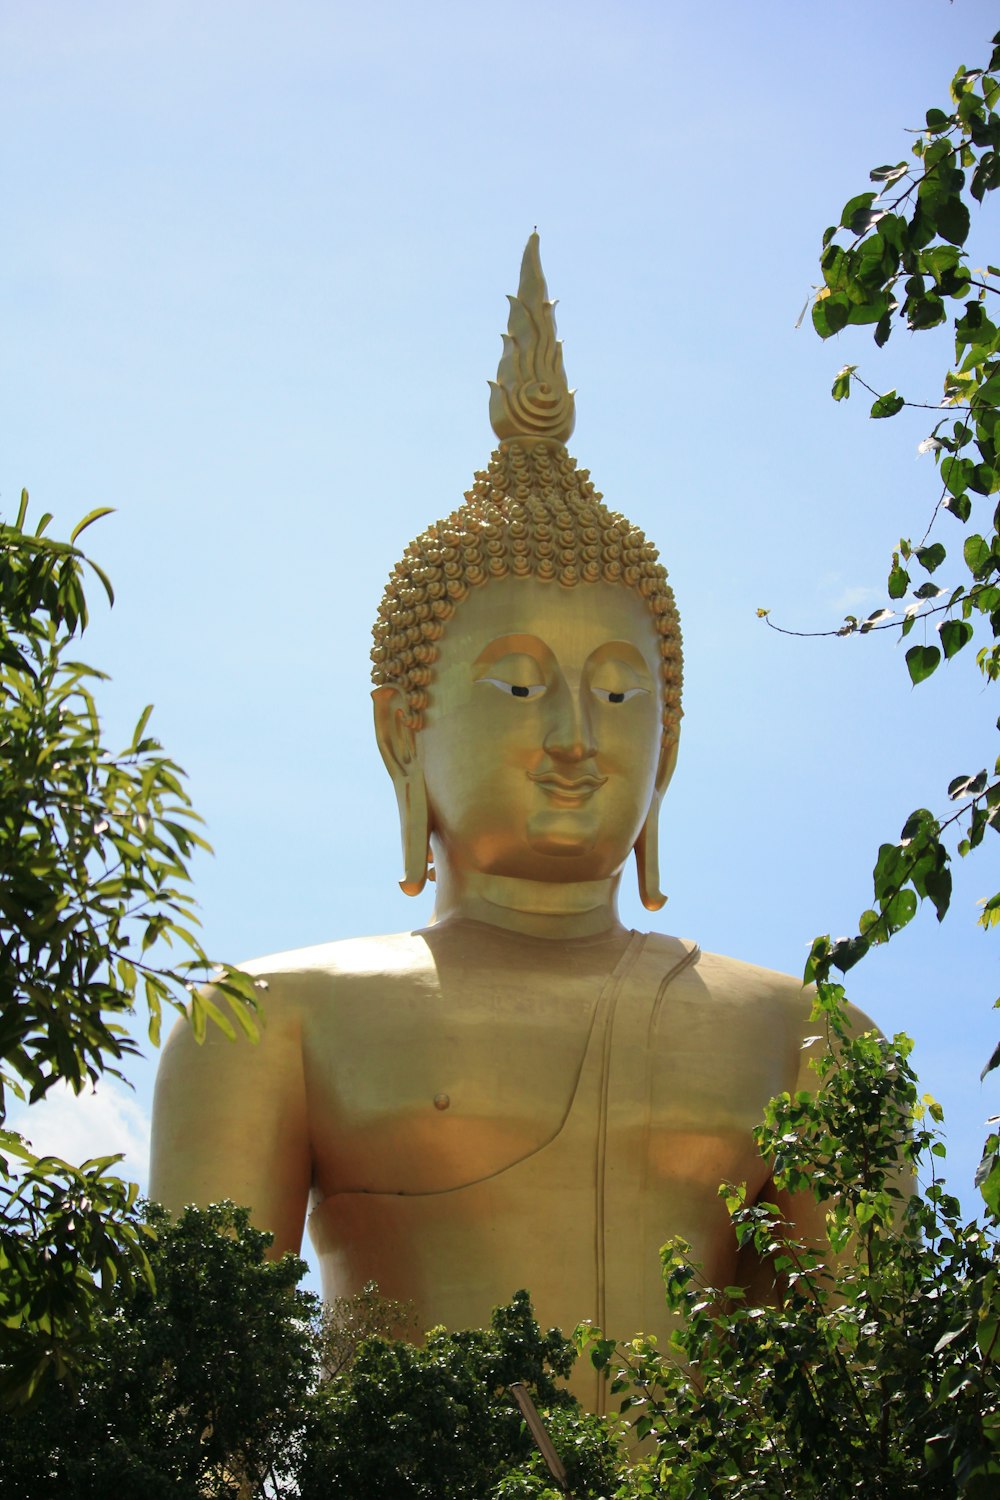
[255, 266]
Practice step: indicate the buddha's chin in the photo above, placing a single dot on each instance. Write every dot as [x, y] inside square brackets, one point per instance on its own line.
[563, 833]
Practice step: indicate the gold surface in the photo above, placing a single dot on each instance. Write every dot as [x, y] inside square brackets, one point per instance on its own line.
[524, 1093]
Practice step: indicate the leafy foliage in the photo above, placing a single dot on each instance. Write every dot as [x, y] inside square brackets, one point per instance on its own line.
[899, 256]
[191, 1386]
[94, 848]
[348, 1322]
[207, 1383]
[438, 1420]
[877, 1372]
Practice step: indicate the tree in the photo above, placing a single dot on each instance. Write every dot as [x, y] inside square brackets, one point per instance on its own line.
[348, 1322]
[94, 851]
[192, 1385]
[210, 1384]
[439, 1420]
[876, 1371]
[899, 256]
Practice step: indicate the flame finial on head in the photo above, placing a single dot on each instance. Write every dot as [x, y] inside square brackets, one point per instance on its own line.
[530, 397]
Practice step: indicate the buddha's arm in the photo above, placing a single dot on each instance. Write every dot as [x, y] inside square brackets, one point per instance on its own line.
[804, 1214]
[230, 1121]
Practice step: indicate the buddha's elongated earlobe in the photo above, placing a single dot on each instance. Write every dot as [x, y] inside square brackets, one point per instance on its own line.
[416, 835]
[647, 845]
[395, 734]
[647, 859]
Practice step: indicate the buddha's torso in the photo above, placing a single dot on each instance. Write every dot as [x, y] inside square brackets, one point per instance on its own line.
[488, 1112]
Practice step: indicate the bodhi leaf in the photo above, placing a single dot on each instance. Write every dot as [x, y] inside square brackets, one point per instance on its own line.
[930, 557]
[887, 405]
[830, 313]
[921, 662]
[978, 555]
[954, 635]
[988, 1174]
[899, 579]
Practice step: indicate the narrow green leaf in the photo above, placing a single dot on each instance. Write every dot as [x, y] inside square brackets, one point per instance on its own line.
[89, 519]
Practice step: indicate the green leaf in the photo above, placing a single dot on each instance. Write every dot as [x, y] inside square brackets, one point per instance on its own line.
[988, 1174]
[105, 581]
[986, 176]
[887, 405]
[953, 220]
[899, 579]
[956, 473]
[89, 519]
[925, 312]
[901, 909]
[830, 314]
[959, 506]
[889, 174]
[954, 635]
[856, 209]
[967, 786]
[921, 662]
[977, 554]
[930, 557]
[983, 479]
[846, 952]
[842, 383]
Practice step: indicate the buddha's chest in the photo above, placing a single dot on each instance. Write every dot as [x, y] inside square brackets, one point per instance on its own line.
[441, 1080]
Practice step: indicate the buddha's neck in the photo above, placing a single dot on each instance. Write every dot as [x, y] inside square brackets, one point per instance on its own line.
[538, 908]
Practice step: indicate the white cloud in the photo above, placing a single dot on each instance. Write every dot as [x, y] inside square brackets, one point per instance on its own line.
[98, 1122]
[853, 600]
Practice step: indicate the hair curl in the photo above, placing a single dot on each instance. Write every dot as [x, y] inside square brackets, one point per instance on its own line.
[531, 514]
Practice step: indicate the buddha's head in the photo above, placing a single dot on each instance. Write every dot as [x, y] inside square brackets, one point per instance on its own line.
[527, 654]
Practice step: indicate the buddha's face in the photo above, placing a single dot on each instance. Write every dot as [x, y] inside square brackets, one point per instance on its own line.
[541, 741]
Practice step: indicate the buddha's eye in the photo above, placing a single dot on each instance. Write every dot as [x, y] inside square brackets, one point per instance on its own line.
[516, 689]
[609, 695]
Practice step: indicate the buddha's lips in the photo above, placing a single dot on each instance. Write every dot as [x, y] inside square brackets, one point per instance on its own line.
[579, 787]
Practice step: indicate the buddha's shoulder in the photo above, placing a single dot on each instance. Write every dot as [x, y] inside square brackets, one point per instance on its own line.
[733, 984]
[717, 971]
[376, 958]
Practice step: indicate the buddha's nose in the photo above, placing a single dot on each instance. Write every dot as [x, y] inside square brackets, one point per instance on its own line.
[570, 734]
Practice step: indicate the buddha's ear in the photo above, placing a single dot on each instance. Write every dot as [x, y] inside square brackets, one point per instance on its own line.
[397, 746]
[647, 845]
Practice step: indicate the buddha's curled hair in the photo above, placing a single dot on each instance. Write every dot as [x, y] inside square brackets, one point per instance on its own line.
[531, 514]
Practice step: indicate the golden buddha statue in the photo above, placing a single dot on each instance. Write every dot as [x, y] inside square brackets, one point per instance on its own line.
[523, 1093]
